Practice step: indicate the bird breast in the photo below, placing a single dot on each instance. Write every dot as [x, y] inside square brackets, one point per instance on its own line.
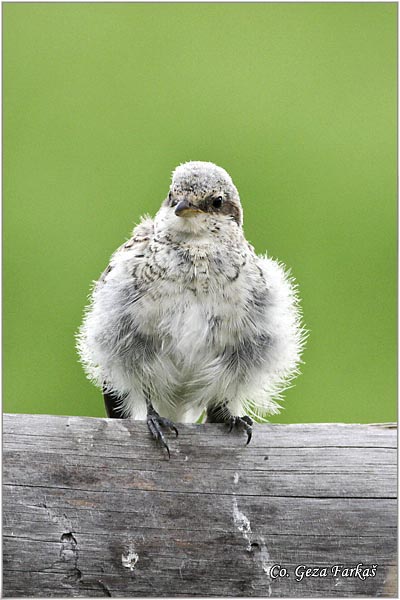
[195, 300]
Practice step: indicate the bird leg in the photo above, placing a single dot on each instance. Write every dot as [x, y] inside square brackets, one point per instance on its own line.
[155, 423]
[222, 414]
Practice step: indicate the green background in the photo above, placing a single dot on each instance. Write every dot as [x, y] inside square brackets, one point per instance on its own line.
[296, 101]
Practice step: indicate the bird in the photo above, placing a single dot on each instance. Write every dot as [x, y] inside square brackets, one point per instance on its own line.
[187, 322]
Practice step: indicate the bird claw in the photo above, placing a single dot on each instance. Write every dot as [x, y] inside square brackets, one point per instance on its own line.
[243, 422]
[155, 422]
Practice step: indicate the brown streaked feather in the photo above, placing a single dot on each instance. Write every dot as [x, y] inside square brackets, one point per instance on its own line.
[140, 238]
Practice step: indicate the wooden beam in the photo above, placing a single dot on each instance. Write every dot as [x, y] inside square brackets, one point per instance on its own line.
[92, 507]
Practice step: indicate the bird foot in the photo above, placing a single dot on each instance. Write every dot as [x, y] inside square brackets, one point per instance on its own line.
[242, 423]
[155, 423]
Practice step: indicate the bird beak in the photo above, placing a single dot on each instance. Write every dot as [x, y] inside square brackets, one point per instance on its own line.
[185, 209]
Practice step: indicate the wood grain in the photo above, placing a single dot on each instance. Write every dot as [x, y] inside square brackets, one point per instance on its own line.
[91, 507]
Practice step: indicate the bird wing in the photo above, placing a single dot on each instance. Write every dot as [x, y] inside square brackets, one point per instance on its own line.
[138, 243]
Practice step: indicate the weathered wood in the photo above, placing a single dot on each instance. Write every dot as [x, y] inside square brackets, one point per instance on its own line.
[91, 508]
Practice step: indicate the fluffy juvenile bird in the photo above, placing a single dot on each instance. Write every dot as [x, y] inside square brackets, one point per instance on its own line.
[188, 319]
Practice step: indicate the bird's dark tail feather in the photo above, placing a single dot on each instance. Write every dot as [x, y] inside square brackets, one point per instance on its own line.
[113, 404]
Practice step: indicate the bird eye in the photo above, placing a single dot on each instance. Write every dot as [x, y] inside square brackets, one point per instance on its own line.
[217, 202]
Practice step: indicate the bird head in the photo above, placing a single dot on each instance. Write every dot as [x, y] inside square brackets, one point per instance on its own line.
[200, 194]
